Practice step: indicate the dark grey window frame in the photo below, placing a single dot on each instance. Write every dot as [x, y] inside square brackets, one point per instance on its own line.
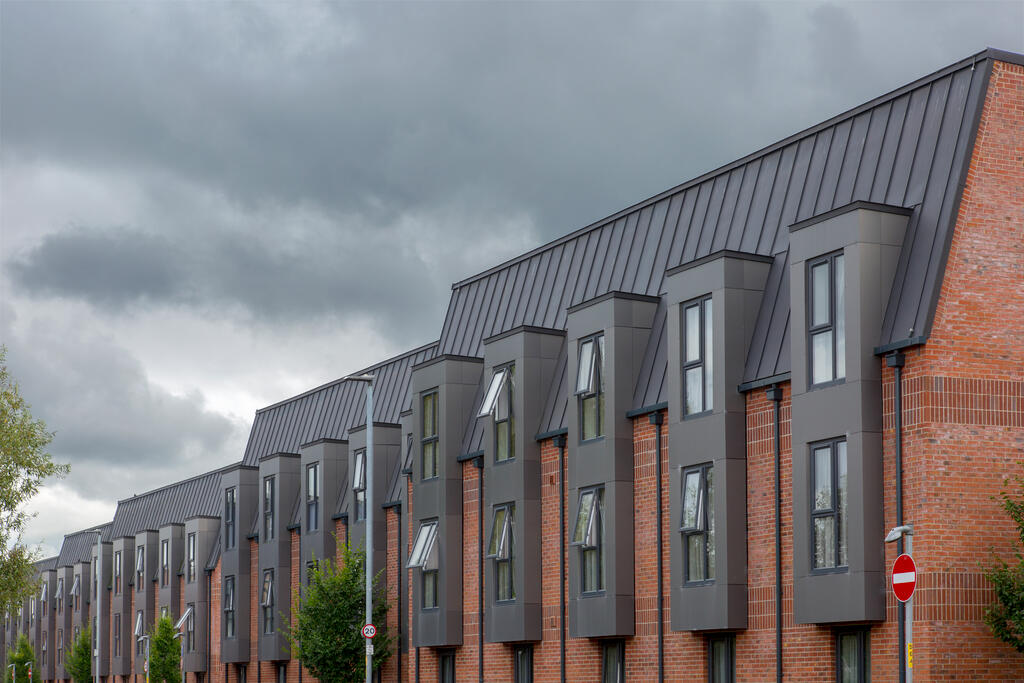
[596, 390]
[230, 512]
[269, 503]
[139, 631]
[730, 674]
[229, 606]
[863, 663]
[429, 576]
[522, 664]
[446, 666]
[502, 412]
[140, 567]
[705, 522]
[190, 562]
[503, 554]
[359, 485]
[60, 595]
[117, 636]
[597, 544]
[267, 600]
[190, 628]
[832, 512]
[429, 440]
[619, 674]
[703, 361]
[165, 562]
[313, 496]
[117, 572]
[833, 318]
[425, 559]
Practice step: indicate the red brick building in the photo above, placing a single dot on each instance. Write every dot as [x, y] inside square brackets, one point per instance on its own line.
[667, 446]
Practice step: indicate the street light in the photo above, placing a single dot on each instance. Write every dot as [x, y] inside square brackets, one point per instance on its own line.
[146, 639]
[180, 634]
[14, 673]
[369, 514]
[905, 609]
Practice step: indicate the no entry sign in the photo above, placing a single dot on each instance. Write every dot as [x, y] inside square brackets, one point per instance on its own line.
[904, 577]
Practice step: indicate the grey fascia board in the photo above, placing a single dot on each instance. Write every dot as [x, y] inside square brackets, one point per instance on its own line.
[325, 439]
[1004, 56]
[614, 294]
[466, 457]
[240, 465]
[543, 436]
[847, 208]
[763, 382]
[187, 519]
[407, 471]
[722, 253]
[444, 357]
[341, 515]
[637, 412]
[391, 504]
[405, 413]
[902, 344]
[382, 425]
[279, 454]
[293, 527]
[525, 328]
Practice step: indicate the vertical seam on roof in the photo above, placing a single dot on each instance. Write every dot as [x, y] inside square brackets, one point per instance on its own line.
[628, 236]
[842, 161]
[899, 144]
[749, 205]
[917, 143]
[767, 202]
[551, 312]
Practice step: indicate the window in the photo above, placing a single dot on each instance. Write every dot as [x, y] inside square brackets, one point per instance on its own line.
[60, 646]
[282, 673]
[230, 510]
[190, 628]
[140, 567]
[229, 607]
[498, 404]
[424, 556]
[312, 497]
[44, 591]
[190, 564]
[117, 635]
[76, 592]
[853, 663]
[311, 567]
[268, 509]
[698, 524]
[446, 666]
[359, 484]
[32, 612]
[45, 639]
[501, 549]
[267, 600]
[523, 664]
[165, 562]
[428, 444]
[117, 572]
[698, 366]
[163, 611]
[139, 632]
[829, 505]
[826, 316]
[588, 534]
[722, 659]
[613, 662]
[60, 595]
[590, 387]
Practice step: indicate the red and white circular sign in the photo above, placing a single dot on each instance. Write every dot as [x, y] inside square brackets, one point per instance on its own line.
[904, 577]
[369, 631]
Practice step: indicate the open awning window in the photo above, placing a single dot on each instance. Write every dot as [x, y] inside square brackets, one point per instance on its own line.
[493, 390]
[43, 592]
[359, 476]
[76, 587]
[424, 549]
[229, 594]
[268, 589]
[501, 533]
[138, 624]
[586, 531]
[590, 365]
[140, 562]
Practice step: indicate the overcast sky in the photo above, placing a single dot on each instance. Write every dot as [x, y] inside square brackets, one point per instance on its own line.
[207, 208]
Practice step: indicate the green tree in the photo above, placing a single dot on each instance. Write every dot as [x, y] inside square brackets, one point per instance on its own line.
[78, 660]
[23, 656]
[327, 637]
[165, 653]
[24, 464]
[1006, 615]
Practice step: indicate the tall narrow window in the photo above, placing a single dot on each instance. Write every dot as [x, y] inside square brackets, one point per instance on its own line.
[267, 600]
[613, 662]
[165, 562]
[117, 572]
[230, 510]
[117, 635]
[698, 523]
[359, 484]
[523, 664]
[722, 659]
[498, 404]
[590, 387]
[826, 315]
[829, 504]
[190, 563]
[698, 360]
[313, 497]
[60, 646]
[190, 628]
[446, 666]
[424, 556]
[428, 445]
[32, 612]
[60, 595]
[229, 607]
[140, 567]
[139, 632]
[268, 509]
[853, 663]
[502, 549]
[588, 534]
[44, 590]
[76, 593]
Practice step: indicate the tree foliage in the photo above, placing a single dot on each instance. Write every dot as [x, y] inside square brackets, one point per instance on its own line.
[327, 636]
[1006, 615]
[164, 654]
[79, 658]
[22, 656]
[24, 464]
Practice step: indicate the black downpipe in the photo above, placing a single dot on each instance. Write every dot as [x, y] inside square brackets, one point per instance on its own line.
[896, 361]
[560, 442]
[479, 464]
[417, 664]
[775, 396]
[398, 573]
[657, 419]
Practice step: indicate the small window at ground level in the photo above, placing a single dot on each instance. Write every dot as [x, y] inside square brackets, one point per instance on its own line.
[523, 665]
[613, 662]
[853, 657]
[446, 666]
[722, 659]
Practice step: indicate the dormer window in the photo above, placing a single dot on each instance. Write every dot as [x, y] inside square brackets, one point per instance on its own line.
[498, 403]
[424, 556]
[698, 396]
[359, 484]
[268, 509]
[313, 497]
[590, 387]
[826, 314]
[140, 567]
[501, 550]
[428, 444]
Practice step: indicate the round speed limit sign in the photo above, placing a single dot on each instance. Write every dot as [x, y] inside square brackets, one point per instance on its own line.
[369, 631]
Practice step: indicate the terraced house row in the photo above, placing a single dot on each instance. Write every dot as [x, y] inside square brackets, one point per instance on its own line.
[665, 446]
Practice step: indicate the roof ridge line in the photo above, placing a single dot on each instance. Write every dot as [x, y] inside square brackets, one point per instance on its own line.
[167, 486]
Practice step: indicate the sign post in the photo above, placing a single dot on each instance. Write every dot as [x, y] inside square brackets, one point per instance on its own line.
[904, 581]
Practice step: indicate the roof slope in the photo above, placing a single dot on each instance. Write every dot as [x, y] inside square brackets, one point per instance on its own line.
[77, 546]
[171, 504]
[331, 410]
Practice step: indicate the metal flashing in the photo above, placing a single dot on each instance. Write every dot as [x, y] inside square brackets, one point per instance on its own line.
[543, 436]
[645, 410]
[714, 256]
[767, 381]
[446, 356]
[524, 328]
[470, 456]
[902, 344]
[847, 208]
[279, 454]
[323, 440]
[613, 294]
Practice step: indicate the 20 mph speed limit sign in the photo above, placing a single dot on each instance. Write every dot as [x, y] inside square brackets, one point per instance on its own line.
[369, 631]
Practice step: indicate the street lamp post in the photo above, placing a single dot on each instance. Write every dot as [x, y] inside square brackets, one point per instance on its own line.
[99, 594]
[14, 672]
[369, 516]
[145, 638]
[906, 609]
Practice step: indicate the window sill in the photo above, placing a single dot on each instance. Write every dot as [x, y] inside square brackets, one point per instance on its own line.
[695, 416]
[825, 571]
[506, 461]
[826, 385]
[698, 584]
[430, 609]
[596, 439]
[593, 594]
[505, 602]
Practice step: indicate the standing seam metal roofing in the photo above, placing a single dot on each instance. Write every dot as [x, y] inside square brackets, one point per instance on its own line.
[77, 546]
[171, 504]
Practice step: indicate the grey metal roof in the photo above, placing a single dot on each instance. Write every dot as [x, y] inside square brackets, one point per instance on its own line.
[171, 504]
[211, 562]
[331, 410]
[46, 564]
[397, 488]
[77, 546]
[553, 418]
[768, 354]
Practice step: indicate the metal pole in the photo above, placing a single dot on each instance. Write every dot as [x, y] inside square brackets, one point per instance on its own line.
[896, 361]
[908, 627]
[369, 526]
[99, 593]
[181, 657]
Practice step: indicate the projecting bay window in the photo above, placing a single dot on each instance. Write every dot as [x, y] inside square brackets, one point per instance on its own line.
[230, 510]
[117, 572]
[229, 607]
[424, 556]
[140, 567]
[498, 404]
[428, 443]
[826, 312]
[267, 601]
[588, 534]
[268, 509]
[502, 550]
[138, 633]
[313, 497]
[698, 349]
[590, 387]
[829, 504]
[698, 524]
[165, 562]
[359, 484]
[190, 564]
